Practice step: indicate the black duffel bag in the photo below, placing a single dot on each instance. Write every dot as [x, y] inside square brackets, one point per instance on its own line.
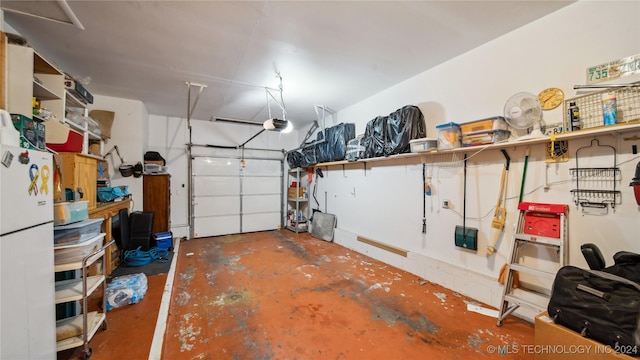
[599, 305]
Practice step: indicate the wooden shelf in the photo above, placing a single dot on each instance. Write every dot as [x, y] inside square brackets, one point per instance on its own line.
[572, 135]
[43, 93]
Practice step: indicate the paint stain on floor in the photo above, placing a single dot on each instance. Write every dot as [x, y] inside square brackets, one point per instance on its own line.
[280, 295]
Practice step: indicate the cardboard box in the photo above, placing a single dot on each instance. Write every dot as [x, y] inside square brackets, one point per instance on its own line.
[78, 90]
[28, 130]
[103, 170]
[291, 194]
[553, 341]
[105, 120]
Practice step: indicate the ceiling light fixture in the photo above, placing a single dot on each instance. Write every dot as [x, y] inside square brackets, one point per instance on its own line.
[275, 124]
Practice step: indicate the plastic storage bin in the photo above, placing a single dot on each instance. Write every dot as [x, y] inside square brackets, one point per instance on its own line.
[494, 123]
[485, 137]
[75, 252]
[449, 136]
[164, 240]
[125, 290]
[76, 232]
[70, 212]
[424, 144]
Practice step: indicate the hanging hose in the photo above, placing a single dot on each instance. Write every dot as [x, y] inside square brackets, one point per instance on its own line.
[139, 257]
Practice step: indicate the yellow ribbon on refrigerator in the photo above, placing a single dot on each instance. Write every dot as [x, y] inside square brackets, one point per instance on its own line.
[44, 187]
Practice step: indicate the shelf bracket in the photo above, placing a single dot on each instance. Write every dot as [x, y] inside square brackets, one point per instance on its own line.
[344, 174]
[364, 166]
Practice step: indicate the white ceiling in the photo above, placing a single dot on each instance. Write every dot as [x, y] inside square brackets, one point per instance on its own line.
[331, 53]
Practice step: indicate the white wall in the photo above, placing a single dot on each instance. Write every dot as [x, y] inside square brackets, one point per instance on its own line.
[385, 203]
[128, 134]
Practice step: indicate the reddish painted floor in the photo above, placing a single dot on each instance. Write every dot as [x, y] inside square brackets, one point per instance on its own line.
[280, 295]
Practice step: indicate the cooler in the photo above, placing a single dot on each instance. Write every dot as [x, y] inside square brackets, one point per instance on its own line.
[164, 240]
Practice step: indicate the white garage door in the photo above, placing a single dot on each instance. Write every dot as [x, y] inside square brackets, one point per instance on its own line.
[229, 198]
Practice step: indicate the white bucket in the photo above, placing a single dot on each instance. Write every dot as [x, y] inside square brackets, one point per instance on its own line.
[9, 135]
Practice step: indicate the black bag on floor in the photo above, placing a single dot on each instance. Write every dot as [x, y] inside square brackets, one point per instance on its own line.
[599, 305]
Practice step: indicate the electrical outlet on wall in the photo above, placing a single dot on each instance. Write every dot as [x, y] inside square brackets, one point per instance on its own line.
[445, 204]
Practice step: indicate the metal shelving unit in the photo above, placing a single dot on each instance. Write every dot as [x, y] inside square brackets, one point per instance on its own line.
[297, 201]
[79, 290]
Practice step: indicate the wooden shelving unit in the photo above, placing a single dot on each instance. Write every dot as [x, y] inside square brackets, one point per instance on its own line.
[618, 129]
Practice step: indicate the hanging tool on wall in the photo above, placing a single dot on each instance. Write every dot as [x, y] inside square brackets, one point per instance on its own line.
[500, 214]
[466, 237]
[524, 176]
[425, 191]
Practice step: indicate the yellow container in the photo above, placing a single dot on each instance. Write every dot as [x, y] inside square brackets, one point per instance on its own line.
[494, 123]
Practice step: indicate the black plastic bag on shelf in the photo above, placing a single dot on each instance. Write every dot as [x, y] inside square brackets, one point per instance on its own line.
[309, 157]
[338, 138]
[375, 137]
[403, 125]
[323, 154]
[294, 159]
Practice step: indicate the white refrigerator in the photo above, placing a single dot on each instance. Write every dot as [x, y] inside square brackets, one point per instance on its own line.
[27, 289]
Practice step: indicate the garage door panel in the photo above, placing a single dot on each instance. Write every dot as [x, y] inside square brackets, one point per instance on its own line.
[217, 205]
[262, 168]
[216, 225]
[221, 184]
[215, 166]
[212, 185]
[261, 203]
[260, 185]
[260, 222]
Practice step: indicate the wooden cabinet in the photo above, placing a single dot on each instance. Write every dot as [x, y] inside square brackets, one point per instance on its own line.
[108, 211]
[80, 172]
[157, 198]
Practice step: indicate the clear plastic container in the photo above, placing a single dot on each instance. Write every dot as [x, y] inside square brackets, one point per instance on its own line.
[75, 252]
[70, 212]
[424, 144]
[77, 232]
[449, 136]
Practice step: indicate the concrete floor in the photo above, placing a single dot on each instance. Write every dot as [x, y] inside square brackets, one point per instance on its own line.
[280, 295]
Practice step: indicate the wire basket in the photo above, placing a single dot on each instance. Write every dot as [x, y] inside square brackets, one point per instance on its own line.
[590, 105]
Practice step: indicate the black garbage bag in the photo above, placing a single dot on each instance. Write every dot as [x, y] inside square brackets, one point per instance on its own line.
[323, 153]
[340, 136]
[403, 125]
[294, 159]
[309, 157]
[375, 137]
